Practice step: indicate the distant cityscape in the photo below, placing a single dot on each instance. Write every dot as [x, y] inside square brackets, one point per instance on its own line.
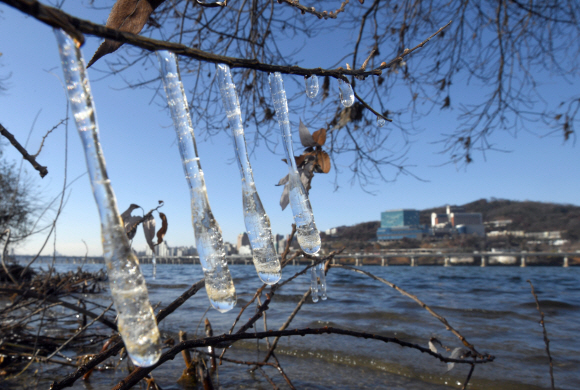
[395, 225]
[404, 223]
[242, 247]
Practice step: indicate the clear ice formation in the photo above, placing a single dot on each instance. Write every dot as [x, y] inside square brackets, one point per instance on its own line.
[346, 93]
[255, 217]
[154, 263]
[314, 283]
[208, 237]
[380, 121]
[306, 231]
[322, 276]
[311, 86]
[136, 320]
[317, 274]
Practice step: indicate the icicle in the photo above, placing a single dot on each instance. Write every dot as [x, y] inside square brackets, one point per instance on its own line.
[255, 217]
[306, 232]
[381, 121]
[322, 276]
[346, 93]
[208, 237]
[154, 262]
[136, 320]
[314, 284]
[311, 86]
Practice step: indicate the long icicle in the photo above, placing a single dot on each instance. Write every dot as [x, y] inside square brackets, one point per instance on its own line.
[255, 217]
[136, 320]
[208, 237]
[314, 284]
[306, 231]
[322, 276]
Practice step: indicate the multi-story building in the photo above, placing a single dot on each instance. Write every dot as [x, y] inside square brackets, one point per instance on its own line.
[401, 217]
[457, 221]
[399, 224]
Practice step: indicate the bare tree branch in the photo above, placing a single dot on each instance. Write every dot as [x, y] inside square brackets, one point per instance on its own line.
[41, 169]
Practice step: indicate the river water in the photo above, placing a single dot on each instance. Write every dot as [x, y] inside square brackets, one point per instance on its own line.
[492, 307]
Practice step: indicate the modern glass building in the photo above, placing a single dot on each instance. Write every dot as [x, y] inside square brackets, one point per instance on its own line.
[402, 217]
[399, 224]
[398, 233]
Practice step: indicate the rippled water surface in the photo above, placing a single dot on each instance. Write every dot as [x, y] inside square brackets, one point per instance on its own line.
[492, 307]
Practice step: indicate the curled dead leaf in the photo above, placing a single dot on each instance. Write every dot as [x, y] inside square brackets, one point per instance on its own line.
[130, 224]
[127, 213]
[149, 231]
[161, 233]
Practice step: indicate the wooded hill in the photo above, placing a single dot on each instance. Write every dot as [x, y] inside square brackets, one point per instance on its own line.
[527, 216]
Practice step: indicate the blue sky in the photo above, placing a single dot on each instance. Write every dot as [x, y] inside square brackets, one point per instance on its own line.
[144, 166]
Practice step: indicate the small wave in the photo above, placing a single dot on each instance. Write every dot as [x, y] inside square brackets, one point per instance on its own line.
[550, 304]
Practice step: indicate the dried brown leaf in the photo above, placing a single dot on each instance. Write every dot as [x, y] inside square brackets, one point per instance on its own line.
[127, 213]
[161, 233]
[300, 159]
[323, 161]
[129, 16]
[319, 136]
[129, 221]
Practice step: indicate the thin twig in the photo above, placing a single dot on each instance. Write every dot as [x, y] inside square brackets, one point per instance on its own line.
[287, 323]
[283, 261]
[46, 135]
[70, 379]
[79, 332]
[180, 301]
[52, 16]
[546, 340]
[267, 378]
[258, 292]
[41, 169]
[50, 298]
[312, 10]
[279, 367]
[3, 255]
[468, 377]
[225, 339]
[413, 297]
[368, 107]
[317, 260]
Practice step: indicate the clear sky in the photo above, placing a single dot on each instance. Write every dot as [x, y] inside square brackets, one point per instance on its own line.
[144, 166]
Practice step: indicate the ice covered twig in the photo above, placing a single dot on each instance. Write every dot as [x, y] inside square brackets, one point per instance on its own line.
[306, 231]
[136, 321]
[208, 237]
[255, 217]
